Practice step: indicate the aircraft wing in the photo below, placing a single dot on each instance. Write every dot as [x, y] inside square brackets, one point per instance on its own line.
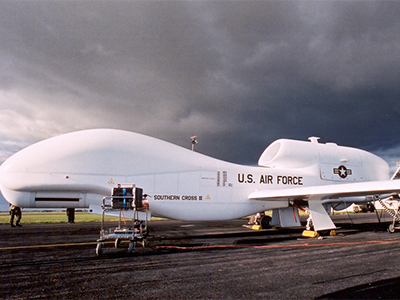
[367, 188]
[314, 195]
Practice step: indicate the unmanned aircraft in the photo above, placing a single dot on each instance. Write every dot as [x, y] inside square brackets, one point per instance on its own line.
[76, 170]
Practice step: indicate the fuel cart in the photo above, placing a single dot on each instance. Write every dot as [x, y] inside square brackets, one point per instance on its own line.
[127, 202]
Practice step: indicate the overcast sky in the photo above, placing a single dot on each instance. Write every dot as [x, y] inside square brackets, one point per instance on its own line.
[240, 74]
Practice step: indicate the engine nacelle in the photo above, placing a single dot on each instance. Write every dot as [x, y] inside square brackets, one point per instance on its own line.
[335, 162]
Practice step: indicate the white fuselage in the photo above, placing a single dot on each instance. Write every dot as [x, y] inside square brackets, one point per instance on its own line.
[80, 168]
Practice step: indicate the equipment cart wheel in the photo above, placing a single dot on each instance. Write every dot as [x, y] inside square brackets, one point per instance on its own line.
[117, 242]
[391, 228]
[99, 249]
[131, 247]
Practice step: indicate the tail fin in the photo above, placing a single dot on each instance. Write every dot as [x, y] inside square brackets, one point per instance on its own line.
[396, 174]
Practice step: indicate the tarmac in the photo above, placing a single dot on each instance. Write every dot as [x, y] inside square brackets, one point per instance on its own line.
[202, 260]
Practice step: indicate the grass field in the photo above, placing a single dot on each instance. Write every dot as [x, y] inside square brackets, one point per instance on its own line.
[53, 217]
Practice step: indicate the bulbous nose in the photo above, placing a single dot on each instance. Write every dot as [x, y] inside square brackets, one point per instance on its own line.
[57, 172]
[12, 191]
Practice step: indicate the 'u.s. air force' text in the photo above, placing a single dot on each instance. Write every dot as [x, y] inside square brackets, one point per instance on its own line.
[270, 179]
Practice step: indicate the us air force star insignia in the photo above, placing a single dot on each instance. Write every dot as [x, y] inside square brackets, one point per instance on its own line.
[342, 171]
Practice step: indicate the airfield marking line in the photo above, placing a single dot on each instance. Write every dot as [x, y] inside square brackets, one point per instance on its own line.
[46, 246]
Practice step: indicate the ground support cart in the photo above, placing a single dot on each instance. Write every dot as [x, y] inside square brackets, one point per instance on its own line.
[392, 206]
[132, 222]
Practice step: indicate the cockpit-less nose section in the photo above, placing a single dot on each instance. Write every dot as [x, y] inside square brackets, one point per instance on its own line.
[78, 169]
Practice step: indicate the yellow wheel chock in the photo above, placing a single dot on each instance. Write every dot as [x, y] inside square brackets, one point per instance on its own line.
[310, 233]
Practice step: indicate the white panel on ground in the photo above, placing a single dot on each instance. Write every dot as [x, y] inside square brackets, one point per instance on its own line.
[275, 218]
[286, 217]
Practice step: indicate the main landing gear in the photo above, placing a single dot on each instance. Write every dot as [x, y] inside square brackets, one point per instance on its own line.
[318, 222]
[313, 233]
[260, 221]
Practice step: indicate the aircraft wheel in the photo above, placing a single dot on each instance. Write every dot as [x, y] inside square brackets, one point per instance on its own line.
[99, 249]
[391, 228]
[265, 222]
[117, 243]
[131, 247]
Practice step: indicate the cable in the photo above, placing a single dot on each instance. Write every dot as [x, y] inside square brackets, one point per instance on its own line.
[275, 246]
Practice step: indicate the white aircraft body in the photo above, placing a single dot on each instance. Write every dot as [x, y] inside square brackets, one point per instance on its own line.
[78, 169]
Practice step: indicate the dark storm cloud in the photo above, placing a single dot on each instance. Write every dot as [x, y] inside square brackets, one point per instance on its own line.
[238, 73]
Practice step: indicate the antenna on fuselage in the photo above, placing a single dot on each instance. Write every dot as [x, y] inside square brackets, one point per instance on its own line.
[314, 139]
[194, 141]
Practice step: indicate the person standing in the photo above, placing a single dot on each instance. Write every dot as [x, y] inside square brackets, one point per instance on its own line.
[71, 215]
[15, 211]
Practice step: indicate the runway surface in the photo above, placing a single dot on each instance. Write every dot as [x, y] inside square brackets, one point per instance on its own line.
[202, 260]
